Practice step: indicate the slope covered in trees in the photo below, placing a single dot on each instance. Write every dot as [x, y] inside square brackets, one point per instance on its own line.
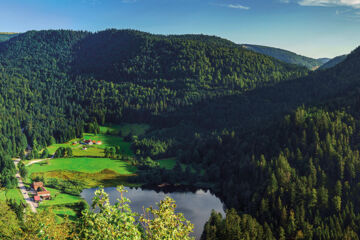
[149, 74]
[296, 177]
[279, 146]
[287, 56]
[333, 62]
[53, 83]
[6, 36]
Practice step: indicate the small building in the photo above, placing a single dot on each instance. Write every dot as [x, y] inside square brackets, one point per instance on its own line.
[37, 198]
[40, 191]
[37, 185]
[44, 194]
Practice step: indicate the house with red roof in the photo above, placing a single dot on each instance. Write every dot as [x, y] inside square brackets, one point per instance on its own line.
[41, 192]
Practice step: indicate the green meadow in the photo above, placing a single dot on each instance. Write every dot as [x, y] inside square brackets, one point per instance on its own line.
[94, 150]
[89, 166]
[83, 164]
[109, 136]
[92, 172]
[58, 198]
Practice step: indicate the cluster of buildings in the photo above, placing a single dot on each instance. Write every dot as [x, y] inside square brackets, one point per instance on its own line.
[90, 142]
[40, 192]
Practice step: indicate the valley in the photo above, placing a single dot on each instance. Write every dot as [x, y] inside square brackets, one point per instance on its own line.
[273, 143]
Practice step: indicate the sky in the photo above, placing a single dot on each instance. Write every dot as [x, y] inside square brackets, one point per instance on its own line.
[314, 28]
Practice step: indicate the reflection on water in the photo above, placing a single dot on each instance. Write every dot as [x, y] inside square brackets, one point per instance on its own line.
[196, 206]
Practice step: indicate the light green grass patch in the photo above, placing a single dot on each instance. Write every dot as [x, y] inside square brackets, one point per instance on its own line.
[58, 198]
[83, 164]
[94, 150]
[110, 141]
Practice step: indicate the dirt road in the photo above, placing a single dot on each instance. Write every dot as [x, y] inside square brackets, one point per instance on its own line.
[23, 190]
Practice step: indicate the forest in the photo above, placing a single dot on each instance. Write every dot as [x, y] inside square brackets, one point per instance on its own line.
[279, 144]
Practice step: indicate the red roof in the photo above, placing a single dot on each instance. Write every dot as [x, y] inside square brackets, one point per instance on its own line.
[37, 198]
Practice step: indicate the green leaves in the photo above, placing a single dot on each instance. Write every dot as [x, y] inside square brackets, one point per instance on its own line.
[112, 222]
[164, 224]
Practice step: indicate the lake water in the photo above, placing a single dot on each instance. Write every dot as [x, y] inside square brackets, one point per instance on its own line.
[196, 206]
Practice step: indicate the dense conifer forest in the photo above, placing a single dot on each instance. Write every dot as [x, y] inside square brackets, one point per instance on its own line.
[278, 144]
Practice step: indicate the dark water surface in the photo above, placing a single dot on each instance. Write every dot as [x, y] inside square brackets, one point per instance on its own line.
[196, 206]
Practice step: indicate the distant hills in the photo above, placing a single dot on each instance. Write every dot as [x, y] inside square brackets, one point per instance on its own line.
[4, 36]
[333, 62]
[287, 56]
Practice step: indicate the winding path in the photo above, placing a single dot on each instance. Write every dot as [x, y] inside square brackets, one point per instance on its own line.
[23, 190]
[36, 161]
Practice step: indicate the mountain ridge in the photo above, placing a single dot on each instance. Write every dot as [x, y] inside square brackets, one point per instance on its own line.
[287, 56]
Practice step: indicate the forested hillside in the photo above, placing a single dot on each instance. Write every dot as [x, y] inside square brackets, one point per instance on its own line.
[6, 36]
[52, 82]
[296, 177]
[333, 62]
[287, 56]
[279, 145]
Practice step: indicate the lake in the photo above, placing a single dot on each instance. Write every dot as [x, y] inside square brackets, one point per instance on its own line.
[196, 206]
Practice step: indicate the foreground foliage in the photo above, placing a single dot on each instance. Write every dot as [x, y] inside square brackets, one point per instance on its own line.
[104, 221]
[119, 222]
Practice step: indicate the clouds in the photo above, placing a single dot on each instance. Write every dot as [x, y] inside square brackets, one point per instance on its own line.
[330, 3]
[237, 6]
[232, 4]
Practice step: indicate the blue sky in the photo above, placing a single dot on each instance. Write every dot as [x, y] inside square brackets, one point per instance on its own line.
[314, 28]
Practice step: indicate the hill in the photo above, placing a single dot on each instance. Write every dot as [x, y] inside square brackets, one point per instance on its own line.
[287, 56]
[323, 60]
[275, 142]
[333, 62]
[283, 165]
[145, 76]
[6, 36]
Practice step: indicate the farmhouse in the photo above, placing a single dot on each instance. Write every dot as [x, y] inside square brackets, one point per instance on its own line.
[37, 198]
[37, 185]
[41, 192]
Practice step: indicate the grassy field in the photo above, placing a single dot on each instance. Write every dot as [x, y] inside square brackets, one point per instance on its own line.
[8, 194]
[84, 164]
[90, 171]
[59, 198]
[109, 136]
[94, 150]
